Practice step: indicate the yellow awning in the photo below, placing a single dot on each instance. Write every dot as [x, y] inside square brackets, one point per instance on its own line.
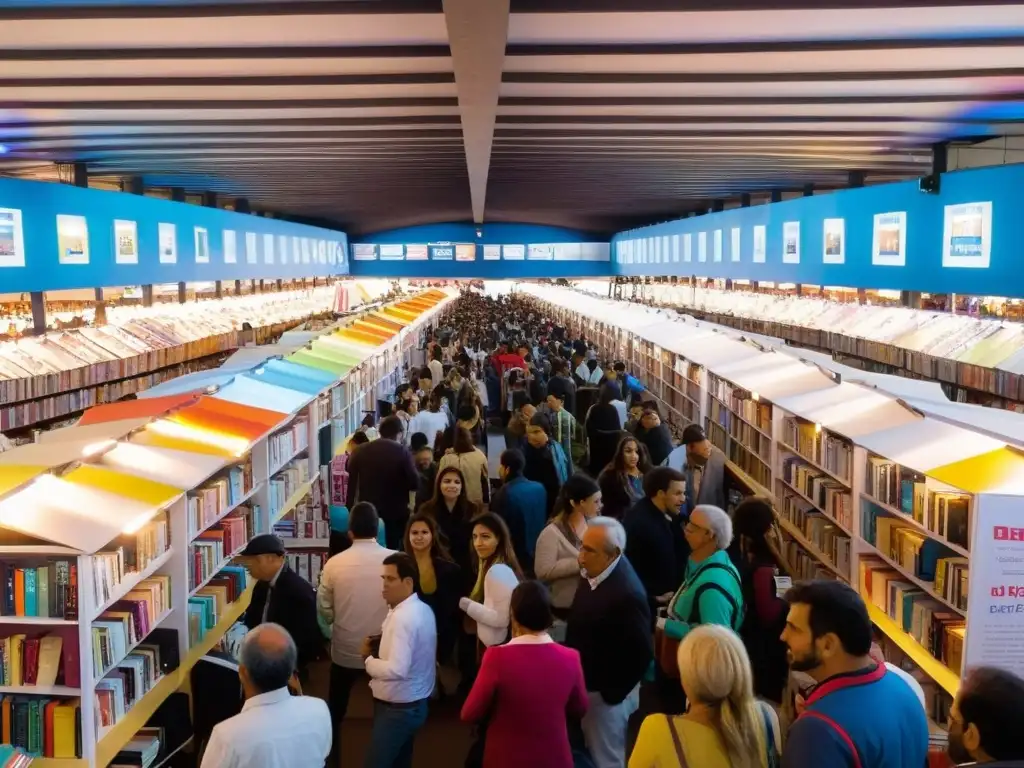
[13, 476]
[130, 486]
[998, 471]
[148, 437]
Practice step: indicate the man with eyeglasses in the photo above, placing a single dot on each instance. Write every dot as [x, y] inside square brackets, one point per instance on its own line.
[986, 722]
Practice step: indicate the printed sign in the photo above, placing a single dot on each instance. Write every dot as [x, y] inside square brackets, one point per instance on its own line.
[12, 239]
[72, 239]
[702, 246]
[168, 240]
[540, 252]
[282, 248]
[126, 242]
[441, 251]
[676, 248]
[465, 252]
[391, 252]
[230, 246]
[363, 252]
[321, 251]
[687, 247]
[251, 244]
[202, 238]
[416, 252]
[717, 245]
[889, 242]
[513, 252]
[834, 241]
[760, 243]
[307, 250]
[967, 236]
[492, 253]
[791, 242]
[268, 249]
[734, 245]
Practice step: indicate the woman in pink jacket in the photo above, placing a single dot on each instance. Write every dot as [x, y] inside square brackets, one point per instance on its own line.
[526, 689]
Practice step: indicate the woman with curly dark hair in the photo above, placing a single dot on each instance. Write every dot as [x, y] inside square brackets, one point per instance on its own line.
[622, 481]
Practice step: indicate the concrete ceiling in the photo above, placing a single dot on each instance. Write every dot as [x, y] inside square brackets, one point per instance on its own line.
[597, 114]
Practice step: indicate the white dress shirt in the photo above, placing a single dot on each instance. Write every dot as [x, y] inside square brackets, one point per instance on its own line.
[273, 730]
[408, 654]
[492, 615]
[597, 580]
[350, 599]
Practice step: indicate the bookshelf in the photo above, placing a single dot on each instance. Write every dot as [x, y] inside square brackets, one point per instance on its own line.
[917, 510]
[118, 559]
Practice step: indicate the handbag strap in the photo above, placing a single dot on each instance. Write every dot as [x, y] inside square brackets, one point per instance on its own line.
[676, 742]
[769, 737]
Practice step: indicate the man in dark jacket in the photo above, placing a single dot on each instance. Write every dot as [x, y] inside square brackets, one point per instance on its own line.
[986, 722]
[654, 529]
[282, 597]
[522, 504]
[382, 472]
[610, 625]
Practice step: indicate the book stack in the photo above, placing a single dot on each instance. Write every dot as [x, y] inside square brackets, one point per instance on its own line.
[283, 485]
[283, 445]
[142, 751]
[829, 495]
[308, 565]
[935, 627]
[129, 621]
[209, 603]
[34, 661]
[949, 517]
[42, 727]
[128, 682]
[207, 504]
[215, 546]
[49, 591]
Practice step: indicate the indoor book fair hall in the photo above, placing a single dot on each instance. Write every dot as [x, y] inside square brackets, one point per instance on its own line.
[511, 384]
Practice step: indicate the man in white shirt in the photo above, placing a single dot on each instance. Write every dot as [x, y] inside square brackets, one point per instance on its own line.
[274, 728]
[351, 607]
[402, 671]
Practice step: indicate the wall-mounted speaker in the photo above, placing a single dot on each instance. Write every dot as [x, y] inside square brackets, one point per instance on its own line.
[930, 184]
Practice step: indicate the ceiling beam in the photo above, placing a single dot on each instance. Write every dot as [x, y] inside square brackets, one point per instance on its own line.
[477, 32]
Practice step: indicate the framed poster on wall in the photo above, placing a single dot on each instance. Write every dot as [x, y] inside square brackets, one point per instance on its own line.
[676, 248]
[967, 236]
[540, 252]
[734, 244]
[72, 239]
[307, 248]
[833, 241]
[282, 249]
[168, 243]
[465, 252]
[441, 251]
[268, 249]
[889, 241]
[12, 238]
[202, 238]
[321, 249]
[702, 247]
[392, 252]
[492, 253]
[760, 243]
[296, 250]
[687, 247]
[791, 242]
[416, 252]
[716, 244]
[360, 252]
[230, 246]
[126, 242]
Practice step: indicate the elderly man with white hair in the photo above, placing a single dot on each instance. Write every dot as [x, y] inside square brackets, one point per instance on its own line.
[712, 591]
[610, 625]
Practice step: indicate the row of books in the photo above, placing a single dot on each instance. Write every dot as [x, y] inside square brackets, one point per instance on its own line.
[937, 629]
[129, 621]
[33, 661]
[214, 546]
[283, 445]
[923, 557]
[802, 564]
[322, 410]
[829, 495]
[42, 727]
[133, 553]
[312, 517]
[133, 677]
[751, 439]
[208, 604]
[819, 530]
[750, 463]
[308, 565]
[142, 751]
[47, 591]
[809, 440]
[284, 484]
[896, 486]
[208, 503]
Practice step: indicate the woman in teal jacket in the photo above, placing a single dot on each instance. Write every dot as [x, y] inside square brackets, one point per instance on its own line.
[711, 592]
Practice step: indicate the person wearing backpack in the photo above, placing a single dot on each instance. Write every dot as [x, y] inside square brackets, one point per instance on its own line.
[711, 592]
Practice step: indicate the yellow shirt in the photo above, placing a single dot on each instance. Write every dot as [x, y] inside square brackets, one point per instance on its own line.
[428, 580]
[654, 748]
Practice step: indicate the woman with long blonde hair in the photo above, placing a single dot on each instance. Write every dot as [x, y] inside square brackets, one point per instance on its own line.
[724, 725]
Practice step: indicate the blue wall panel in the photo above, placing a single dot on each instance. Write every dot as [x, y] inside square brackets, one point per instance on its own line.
[41, 202]
[492, 234]
[923, 270]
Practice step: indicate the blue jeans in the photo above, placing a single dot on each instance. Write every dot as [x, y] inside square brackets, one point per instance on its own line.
[394, 730]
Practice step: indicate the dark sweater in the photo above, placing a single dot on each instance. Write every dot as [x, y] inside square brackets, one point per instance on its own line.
[611, 628]
[382, 472]
[293, 606]
[657, 548]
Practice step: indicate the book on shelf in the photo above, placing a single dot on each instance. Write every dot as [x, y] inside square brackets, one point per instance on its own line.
[308, 565]
[286, 483]
[937, 629]
[126, 683]
[802, 564]
[829, 495]
[209, 502]
[832, 453]
[950, 517]
[129, 621]
[142, 751]
[28, 660]
[212, 548]
[46, 591]
[900, 488]
[927, 559]
[208, 604]
[820, 531]
[281, 446]
[130, 553]
[41, 726]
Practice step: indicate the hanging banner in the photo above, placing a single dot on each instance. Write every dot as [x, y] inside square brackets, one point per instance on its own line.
[889, 242]
[126, 242]
[967, 236]
[834, 242]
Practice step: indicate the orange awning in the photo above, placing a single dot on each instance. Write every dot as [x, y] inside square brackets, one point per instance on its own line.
[150, 407]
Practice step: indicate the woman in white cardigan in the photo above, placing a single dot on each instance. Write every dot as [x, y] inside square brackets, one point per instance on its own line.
[498, 573]
[558, 547]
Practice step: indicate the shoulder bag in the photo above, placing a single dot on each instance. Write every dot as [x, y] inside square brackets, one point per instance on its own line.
[680, 755]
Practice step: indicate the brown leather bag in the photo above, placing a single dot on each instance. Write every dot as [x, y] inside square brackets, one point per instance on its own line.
[665, 651]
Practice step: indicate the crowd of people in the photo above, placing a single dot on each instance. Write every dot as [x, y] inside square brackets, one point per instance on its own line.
[603, 569]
